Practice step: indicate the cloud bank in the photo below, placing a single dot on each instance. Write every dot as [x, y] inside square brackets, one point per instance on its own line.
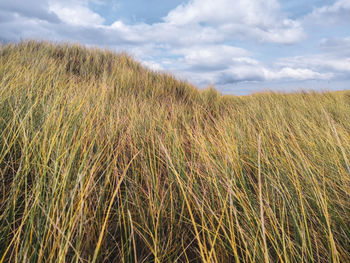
[219, 42]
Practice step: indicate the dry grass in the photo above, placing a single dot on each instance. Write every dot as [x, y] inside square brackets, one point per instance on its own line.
[102, 160]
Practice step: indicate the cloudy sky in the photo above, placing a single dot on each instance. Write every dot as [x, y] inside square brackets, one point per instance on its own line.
[240, 46]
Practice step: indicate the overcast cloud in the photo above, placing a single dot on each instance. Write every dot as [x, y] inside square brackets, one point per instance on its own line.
[231, 44]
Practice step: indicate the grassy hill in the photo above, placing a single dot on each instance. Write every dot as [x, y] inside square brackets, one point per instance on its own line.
[102, 160]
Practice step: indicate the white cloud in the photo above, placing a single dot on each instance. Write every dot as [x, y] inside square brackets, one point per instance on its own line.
[166, 33]
[152, 65]
[251, 12]
[249, 73]
[223, 65]
[322, 62]
[76, 14]
[334, 57]
[296, 74]
[211, 57]
[211, 23]
[338, 12]
[259, 19]
[38, 10]
[206, 21]
[262, 72]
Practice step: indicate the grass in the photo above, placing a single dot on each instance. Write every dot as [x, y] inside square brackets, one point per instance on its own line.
[102, 160]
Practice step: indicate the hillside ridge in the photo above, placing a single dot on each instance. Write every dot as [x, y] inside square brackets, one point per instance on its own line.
[103, 160]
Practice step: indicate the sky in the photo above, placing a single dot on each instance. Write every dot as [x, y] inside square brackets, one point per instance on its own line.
[239, 46]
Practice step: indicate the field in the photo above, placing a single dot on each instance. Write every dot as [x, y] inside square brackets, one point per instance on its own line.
[102, 160]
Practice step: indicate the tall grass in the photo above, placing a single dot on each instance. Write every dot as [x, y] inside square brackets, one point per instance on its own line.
[102, 160]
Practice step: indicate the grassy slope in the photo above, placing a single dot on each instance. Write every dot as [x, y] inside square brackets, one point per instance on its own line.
[103, 160]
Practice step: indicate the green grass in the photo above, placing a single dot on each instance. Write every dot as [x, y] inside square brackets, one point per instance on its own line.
[102, 160]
